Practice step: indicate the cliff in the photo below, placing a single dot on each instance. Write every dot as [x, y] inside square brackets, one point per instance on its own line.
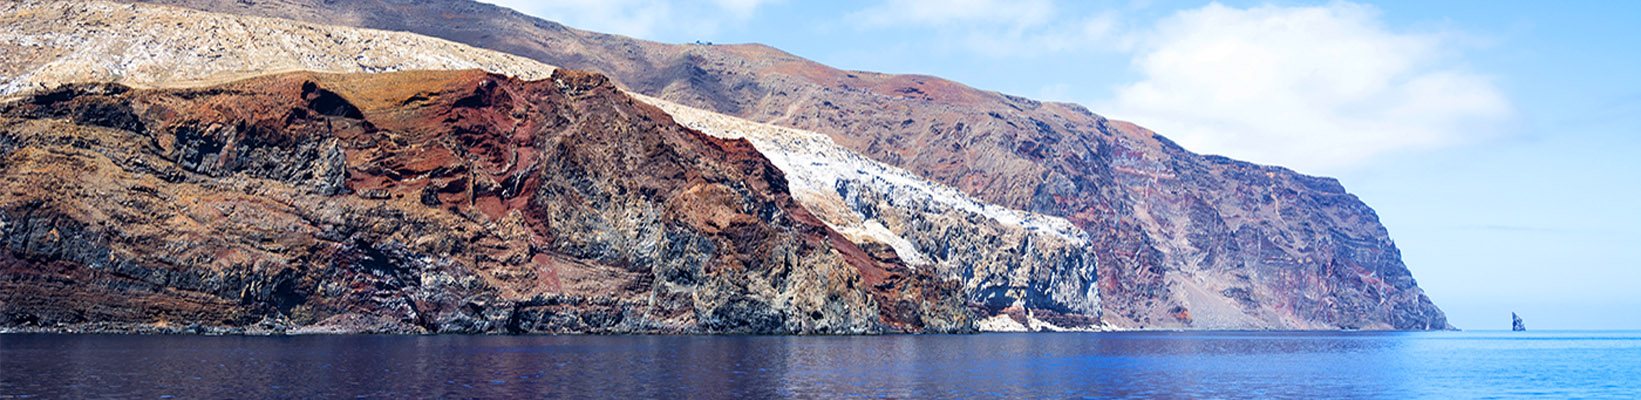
[1020, 270]
[1042, 215]
[409, 202]
[1182, 240]
[1007, 260]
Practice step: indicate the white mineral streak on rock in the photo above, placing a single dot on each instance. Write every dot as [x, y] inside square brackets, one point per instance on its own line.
[1000, 323]
[49, 43]
[814, 165]
[872, 202]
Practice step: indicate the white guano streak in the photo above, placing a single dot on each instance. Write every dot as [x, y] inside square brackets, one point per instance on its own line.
[814, 164]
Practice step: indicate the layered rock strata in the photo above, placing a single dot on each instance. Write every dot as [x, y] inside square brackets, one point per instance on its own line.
[1009, 262]
[416, 202]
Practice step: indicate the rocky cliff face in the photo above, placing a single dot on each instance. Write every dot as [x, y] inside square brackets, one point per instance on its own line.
[1182, 240]
[1010, 262]
[1168, 238]
[416, 202]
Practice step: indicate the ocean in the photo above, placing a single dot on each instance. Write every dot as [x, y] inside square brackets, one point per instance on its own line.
[1369, 365]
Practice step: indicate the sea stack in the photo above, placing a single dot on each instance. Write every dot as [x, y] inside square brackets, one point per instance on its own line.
[1516, 324]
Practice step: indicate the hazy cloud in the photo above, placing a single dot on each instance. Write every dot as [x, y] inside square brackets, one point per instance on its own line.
[642, 18]
[993, 27]
[1022, 13]
[1318, 89]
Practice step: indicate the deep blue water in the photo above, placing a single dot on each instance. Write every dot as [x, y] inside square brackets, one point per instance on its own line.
[1069, 365]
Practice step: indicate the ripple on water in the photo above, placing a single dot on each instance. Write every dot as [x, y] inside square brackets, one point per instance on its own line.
[1212, 365]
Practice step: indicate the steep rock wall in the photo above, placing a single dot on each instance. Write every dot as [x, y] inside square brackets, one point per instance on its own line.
[417, 202]
[1024, 265]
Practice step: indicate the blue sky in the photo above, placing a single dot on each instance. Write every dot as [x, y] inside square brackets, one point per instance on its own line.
[1497, 140]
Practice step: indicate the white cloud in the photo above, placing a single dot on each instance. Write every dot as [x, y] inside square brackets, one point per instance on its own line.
[648, 19]
[1319, 89]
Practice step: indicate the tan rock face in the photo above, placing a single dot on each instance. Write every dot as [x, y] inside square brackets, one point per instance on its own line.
[416, 202]
[1182, 240]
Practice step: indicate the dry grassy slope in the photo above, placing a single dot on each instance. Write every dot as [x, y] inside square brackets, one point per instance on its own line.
[1184, 240]
[48, 43]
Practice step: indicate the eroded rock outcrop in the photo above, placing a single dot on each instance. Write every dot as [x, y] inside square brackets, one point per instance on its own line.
[417, 202]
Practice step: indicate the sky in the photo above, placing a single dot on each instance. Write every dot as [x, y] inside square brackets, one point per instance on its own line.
[1497, 140]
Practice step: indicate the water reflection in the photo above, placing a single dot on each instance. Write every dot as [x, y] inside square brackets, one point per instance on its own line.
[1120, 365]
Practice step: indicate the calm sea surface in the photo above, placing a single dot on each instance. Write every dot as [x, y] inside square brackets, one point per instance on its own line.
[1071, 365]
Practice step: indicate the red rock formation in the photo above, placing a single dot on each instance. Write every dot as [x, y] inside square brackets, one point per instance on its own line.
[416, 202]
